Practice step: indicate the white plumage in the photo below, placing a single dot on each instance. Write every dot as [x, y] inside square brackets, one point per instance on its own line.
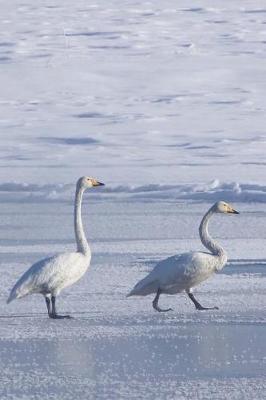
[50, 275]
[176, 273]
[184, 271]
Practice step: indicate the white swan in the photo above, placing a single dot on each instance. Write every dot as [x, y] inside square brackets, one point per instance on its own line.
[184, 271]
[49, 276]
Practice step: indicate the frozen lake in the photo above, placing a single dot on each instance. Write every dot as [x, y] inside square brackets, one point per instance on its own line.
[165, 103]
[121, 348]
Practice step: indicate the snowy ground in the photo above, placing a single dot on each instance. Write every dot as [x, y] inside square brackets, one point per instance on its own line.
[136, 92]
[165, 103]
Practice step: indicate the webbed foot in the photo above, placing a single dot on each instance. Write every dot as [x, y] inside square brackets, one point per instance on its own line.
[56, 316]
[201, 308]
[198, 305]
[159, 309]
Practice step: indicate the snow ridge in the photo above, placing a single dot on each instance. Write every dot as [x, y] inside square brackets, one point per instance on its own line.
[210, 192]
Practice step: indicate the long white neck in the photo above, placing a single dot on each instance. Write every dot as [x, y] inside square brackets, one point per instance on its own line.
[82, 244]
[207, 240]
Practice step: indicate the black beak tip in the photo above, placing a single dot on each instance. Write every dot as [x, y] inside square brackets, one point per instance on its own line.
[100, 184]
[236, 212]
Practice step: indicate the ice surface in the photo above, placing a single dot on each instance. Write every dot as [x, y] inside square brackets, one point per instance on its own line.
[164, 102]
[118, 348]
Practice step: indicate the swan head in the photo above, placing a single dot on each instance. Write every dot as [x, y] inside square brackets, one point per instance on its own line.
[224, 208]
[86, 182]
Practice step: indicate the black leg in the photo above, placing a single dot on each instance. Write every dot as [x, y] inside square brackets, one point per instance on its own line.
[54, 314]
[198, 305]
[48, 304]
[155, 303]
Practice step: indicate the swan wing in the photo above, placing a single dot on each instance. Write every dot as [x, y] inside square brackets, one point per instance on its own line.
[165, 272]
[176, 273]
[50, 274]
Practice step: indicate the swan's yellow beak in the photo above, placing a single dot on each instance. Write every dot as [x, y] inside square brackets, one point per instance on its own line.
[97, 183]
[231, 210]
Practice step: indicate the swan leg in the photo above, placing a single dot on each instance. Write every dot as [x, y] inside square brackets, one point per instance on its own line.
[198, 305]
[54, 314]
[48, 304]
[155, 303]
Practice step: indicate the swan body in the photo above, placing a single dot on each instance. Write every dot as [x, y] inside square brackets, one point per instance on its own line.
[177, 273]
[184, 271]
[51, 275]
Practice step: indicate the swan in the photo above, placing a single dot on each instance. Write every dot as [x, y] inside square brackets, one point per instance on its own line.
[50, 275]
[184, 271]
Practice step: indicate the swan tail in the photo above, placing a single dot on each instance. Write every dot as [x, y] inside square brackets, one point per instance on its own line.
[17, 292]
[12, 296]
[144, 287]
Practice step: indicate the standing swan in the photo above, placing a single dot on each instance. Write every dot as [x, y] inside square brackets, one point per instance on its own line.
[183, 271]
[51, 275]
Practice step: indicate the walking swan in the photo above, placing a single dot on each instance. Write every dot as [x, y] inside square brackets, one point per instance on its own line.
[184, 271]
[49, 276]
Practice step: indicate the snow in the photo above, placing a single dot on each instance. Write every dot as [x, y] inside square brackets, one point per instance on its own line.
[208, 193]
[164, 103]
[138, 93]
